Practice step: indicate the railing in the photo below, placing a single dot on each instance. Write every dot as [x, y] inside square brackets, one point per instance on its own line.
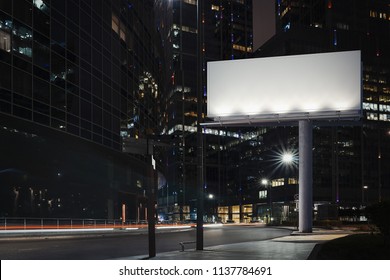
[66, 223]
[7, 224]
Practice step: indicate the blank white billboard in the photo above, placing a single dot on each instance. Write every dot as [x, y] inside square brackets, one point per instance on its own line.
[291, 87]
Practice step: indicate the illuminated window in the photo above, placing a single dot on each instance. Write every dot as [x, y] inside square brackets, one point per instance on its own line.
[191, 2]
[285, 11]
[214, 8]
[189, 29]
[277, 182]
[370, 106]
[22, 40]
[345, 144]
[342, 26]
[185, 28]
[384, 117]
[262, 194]
[190, 114]
[5, 41]
[372, 116]
[384, 108]
[41, 5]
[236, 209]
[115, 24]
[247, 209]
[384, 99]
[369, 98]
[292, 181]
[118, 27]
[122, 34]
[370, 88]
[380, 15]
[223, 210]
[242, 48]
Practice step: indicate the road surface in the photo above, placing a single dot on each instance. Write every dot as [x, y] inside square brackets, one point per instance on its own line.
[134, 243]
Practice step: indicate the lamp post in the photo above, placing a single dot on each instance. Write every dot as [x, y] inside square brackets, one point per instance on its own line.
[199, 136]
[267, 185]
[289, 159]
[211, 206]
[152, 189]
[364, 188]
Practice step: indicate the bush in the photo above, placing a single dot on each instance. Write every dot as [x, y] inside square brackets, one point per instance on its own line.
[378, 214]
[328, 223]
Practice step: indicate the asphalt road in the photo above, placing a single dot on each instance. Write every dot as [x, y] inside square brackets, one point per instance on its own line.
[112, 246]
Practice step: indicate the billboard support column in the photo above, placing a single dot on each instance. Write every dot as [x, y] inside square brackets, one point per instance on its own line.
[305, 176]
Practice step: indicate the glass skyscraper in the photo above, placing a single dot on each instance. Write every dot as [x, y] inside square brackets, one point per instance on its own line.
[79, 78]
[350, 160]
[227, 34]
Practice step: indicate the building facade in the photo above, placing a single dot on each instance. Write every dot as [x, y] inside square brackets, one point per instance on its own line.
[226, 34]
[243, 167]
[350, 160]
[78, 79]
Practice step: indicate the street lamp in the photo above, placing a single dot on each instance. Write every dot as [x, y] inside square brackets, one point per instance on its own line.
[266, 184]
[211, 207]
[363, 189]
[199, 136]
[287, 158]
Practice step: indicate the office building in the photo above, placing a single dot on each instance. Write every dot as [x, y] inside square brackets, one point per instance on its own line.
[227, 34]
[79, 80]
[350, 160]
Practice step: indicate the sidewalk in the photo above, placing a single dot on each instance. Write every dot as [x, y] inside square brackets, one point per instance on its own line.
[297, 246]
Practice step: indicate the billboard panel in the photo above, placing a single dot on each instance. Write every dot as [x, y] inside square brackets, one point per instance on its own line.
[286, 87]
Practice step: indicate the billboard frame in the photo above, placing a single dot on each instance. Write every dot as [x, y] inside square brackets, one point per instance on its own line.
[305, 119]
[226, 113]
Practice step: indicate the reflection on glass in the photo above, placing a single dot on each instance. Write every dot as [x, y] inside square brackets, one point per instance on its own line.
[40, 4]
[22, 40]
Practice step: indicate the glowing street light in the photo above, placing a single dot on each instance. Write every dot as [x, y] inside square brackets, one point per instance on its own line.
[363, 189]
[287, 158]
[264, 182]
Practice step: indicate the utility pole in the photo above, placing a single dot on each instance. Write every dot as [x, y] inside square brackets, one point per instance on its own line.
[151, 202]
[199, 136]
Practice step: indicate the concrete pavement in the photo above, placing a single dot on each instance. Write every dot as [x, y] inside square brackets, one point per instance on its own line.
[297, 246]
